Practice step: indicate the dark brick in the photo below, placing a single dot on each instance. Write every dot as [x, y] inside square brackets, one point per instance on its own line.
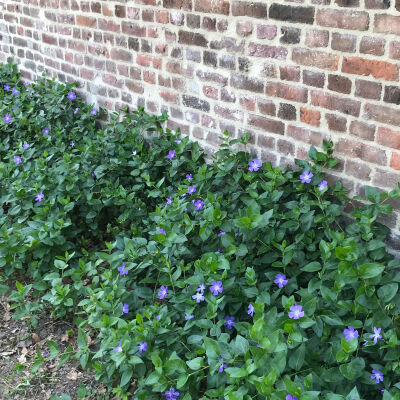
[210, 58]
[290, 35]
[379, 4]
[303, 15]
[348, 3]
[287, 111]
[336, 123]
[227, 61]
[368, 89]
[247, 83]
[194, 102]
[133, 44]
[312, 78]
[96, 7]
[339, 84]
[193, 21]
[392, 95]
[212, 6]
[185, 4]
[344, 42]
[209, 24]
[244, 64]
[192, 38]
[249, 9]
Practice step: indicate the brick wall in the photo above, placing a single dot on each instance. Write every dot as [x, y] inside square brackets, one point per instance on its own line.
[289, 73]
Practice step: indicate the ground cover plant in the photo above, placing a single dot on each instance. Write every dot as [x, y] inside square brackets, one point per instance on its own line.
[187, 279]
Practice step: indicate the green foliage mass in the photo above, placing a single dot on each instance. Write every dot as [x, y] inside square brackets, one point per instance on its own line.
[251, 227]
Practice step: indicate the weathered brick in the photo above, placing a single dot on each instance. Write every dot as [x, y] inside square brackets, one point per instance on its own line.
[287, 111]
[121, 55]
[244, 82]
[347, 3]
[227, 61]
[311, 117]
[382, 114]
[304, 135]
[281, 12]
[358, 170]
[368, 89]
[290, 73]
[227, 96]
[244, 28]
[131, 28]
[377, 4]
[196, 103]
[363, 66]
[184, 4]
[169, 97]
[192, 38]
[386, 179]
[387, 24]
[362, 130]
[248, 102]
[395, 161]
[343, 19]
[210, 92]
[339, 84]
[86, 21]
[389, 138]
[49, 39]
[226, 113]
[311, 78]
[120, 11]
[285, 147]
[212, 6]
[210, 24]
[336, 123]
[290, 35]
[266, 106]
[269, 125]
[372, 45]
[315, 58]
[108, 25]
[263, 50]
[249, 9]
[212, 77]
[392, 94]
[317, 38]
[394, 50]
[362, 151]
[266, 31]
[344, 42]
[338, 103]
[288, 92]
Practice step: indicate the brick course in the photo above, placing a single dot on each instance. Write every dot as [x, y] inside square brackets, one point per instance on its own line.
[290, 73]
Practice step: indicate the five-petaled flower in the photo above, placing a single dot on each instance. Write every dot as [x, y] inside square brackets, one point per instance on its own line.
[290, 397]
[229, 322]
[376, 335]
[221, 233]
[222, 367]
[76, 110]
[6, 87]
[25, 145]
[189, 177]
[296, 311]
[162, 232]
[188, 317]
[350, 333]
[177, 141]
[251, 310]
[125, 308]
[322, 185]
[122, 270]
[17, 160]
[45, 131]
[199, 204]
[169, 201]
[171, 154]
[216, 287]
[7, 118]
[377, 376]
[171, 394]
[191, 189]
[118, 349]
[255, 164]
[163, 292]
[72, 144]
[306, 176]
[94, 111]
[201, 288]
[280, 280]
[142, 346]
[39, 197]
[198, 296]
[71, 95]
[15, 91]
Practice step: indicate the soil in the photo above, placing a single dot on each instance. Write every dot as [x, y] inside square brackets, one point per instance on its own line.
[18, 351]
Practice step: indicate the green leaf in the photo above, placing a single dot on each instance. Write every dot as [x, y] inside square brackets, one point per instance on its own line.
[387, 292]
[195, 363]
[234, 372]
[312, 267]
[370, 270]
[354, 369]
[296, 360]
[82, 339]
[53, 347]
[126, 377]
[372, 194]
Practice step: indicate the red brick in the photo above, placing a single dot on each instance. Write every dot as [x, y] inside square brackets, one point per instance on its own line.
[169, 97]
[249, 9]
[134, 86]
[344, 42]
[389, 138]
[339, 84]
[266, 31]
[372, 45]
[263, 50]
[336, 123]
[86, 21]
[317, 38]
[285, 147]
[394, 50]
[343, 19]
[247, 102]
[184, 4]
[290, 73]
[368, 89]
[269, 125]
[107, 25]
[378, 69]
[131, 28]
[387, 24]
[395, 161]
[382, 114]
[49, 39]
[362, 130]
[107, 11]
[228, 96]
[210, 92]
[134, 13]
[292, 93]
[121, 55]
[234, 115]
[358, 170]
[311, 78]
[212, 6]
[208, 122]
[338, 103]
[314, 58]
[304, 135]
[162, 17]
[244, 28]
[112, 80]
[360, 150]
[266, 106]
[149, 77]
[311, 117]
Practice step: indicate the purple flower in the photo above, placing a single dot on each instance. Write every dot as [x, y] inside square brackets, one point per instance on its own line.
[281, 280]
[45, 131]
[189, 177]
[6, 87]
[251, 310]
[7, 118]
[171, 394]
[163, 292]
[71, 95]
[39, 197]
[229, 322]
[199, 204]
[322, 185]
[76, 110]
[306, 177]
[72, 144]
[125, 308]
[161, 230]
[290, 397]
[255, 164]
[198, 297]
[122, 270]
[296, 311]
[222, 367]
[158, 317]
[219, 250]
[177, 141]
[376, 335]
[17, 160]
[191, 189]
[377, 376]
[118, 349]
[15, 106]
[350, 333]
[188, 317]
[171, 154]
[221, 233]
[169, 201]
[94, 176]
[201, 288]
[94, 111]
[27, 83]
[216, 287]
[15, 91]
[26, 145]
[142, 346]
